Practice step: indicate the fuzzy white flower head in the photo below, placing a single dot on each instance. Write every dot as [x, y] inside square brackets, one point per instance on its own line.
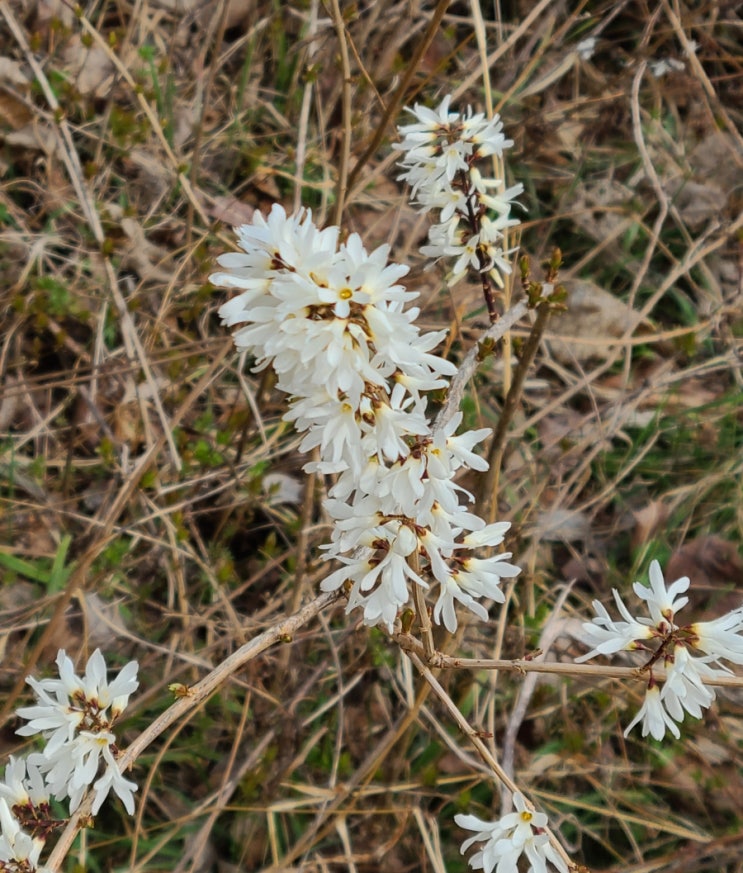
[515, 834]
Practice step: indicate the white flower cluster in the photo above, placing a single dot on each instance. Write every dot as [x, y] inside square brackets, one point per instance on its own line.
[75, 715]
[506, 840]
[330, 319]
[19, 851]
[689, 653]
[440, 152]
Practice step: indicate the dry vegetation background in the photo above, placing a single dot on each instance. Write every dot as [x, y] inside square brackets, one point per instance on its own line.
[151, 499]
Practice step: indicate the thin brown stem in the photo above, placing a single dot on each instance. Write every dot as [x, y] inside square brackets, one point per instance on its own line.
[342, 184]
[282, 631]
[489, 485]
[474, 737]
[424, 619]
[393, 106]
[193, 176]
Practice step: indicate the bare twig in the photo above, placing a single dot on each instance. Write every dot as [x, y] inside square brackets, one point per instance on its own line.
[282, 631]
[402, 89]
[470, 363]
[488, 502]
[345, 157]
[472, 735]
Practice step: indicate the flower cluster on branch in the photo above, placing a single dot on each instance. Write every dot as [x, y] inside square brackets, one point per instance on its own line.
[689, 653]
[75, 716]
[504, 841]
[440, 152]
[331, 319]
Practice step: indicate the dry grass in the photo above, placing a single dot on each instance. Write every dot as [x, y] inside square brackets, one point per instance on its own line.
[136, 512]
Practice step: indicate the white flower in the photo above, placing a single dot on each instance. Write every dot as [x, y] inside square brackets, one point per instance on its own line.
[505, 840]
[614, 636]
[473, 577]
[331, 321]
[662, 603]
[586, 47]
[447, 139]
[18, 850]
[684, 688]
[380, 573]
[662, 66]
[72, 769]
[439, 155]
[721, 637]
[501, 203]
[654, 717]
[271, 245]
[75, 715]
[23, 784]
[71, 703]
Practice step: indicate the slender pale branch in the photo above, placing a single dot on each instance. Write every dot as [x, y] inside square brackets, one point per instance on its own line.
[393, 106]
[489, 486]
[468, 366]
[521, 665]
[345, 156]
[282, 631]
[474, 737]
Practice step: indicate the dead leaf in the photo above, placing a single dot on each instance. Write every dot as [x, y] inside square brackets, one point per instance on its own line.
[230, 210]
[599, 209]
[149, 172]
[562, 525]
[706, 187]
[36, 136]
[593, 316]
[186, 119]
[102, 620]
[90, 68]
[648, 521]
[711, 563]
[50, 11]
[11, 73]
[9, 401]
[697, 202]
[143, 257]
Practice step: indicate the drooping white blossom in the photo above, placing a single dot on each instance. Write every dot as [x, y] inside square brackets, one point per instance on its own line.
[506, 840]
[18, 850]
[653, 718]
